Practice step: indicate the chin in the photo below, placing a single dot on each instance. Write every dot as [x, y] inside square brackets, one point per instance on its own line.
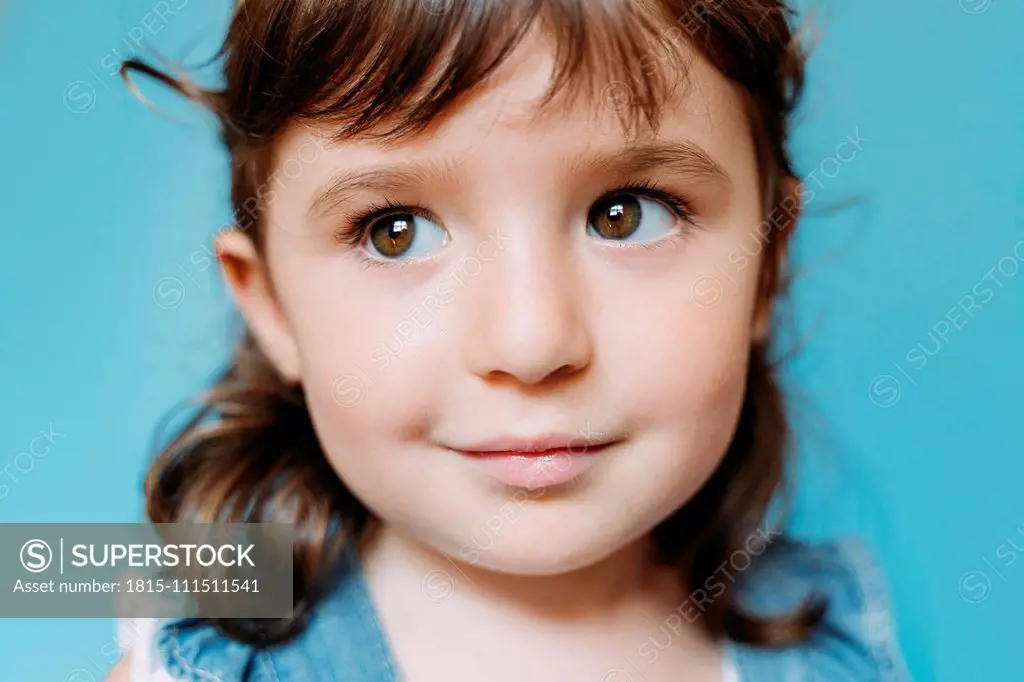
[537, 560]
[542, 544]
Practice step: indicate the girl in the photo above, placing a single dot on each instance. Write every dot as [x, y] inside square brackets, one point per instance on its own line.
[501, 367]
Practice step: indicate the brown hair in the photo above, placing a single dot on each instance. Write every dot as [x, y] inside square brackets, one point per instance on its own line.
[385, 69]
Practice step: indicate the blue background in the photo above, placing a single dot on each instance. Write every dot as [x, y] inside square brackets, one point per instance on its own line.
[107, 320]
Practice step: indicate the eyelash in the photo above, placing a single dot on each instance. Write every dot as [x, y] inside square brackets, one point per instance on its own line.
[681, 207]
[355, 229]
[650, 189]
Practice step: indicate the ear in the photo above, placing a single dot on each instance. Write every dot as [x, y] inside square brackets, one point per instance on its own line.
[249, 280]
[782, 219]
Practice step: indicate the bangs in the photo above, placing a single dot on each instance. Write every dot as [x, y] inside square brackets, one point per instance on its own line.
[389, 68]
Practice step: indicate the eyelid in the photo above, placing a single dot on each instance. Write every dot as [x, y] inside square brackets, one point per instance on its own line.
[647, 187]
[355, 228]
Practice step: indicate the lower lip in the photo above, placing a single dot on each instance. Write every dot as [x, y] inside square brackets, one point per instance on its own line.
[536, 470]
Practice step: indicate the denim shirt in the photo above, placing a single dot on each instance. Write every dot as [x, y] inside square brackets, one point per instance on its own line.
[345, 642]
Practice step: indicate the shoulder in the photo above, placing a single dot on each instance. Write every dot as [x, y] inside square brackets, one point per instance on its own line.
[338, 634]
[195, 649]
[122, 671]
[857, 640]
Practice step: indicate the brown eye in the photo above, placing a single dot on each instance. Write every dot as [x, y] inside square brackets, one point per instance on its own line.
[404, 236]
[616, 217]
[632, 217]
[393, 235]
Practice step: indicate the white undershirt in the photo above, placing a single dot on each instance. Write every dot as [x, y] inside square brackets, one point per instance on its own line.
[729, 671]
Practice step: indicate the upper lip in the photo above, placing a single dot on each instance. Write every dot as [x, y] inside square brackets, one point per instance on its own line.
[575, 443]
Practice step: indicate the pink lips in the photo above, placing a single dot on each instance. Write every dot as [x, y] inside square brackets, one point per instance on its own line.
[536, 462]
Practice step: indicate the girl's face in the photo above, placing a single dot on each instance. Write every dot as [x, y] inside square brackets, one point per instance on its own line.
[540, 283]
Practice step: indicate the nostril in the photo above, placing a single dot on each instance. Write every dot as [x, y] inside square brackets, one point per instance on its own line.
[563, 374]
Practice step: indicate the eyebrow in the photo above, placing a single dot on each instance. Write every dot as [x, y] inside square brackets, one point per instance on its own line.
[681, 158]
[394, 179]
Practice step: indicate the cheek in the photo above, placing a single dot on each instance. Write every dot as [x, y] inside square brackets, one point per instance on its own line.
[680, 378]
[696, 364]
[679, 355]
[368, 418]
[370, 366]
[681, 351]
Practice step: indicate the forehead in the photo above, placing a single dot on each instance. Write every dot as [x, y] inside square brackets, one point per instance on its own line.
[506, 118]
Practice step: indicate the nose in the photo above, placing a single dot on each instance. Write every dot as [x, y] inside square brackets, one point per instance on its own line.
[528, 321]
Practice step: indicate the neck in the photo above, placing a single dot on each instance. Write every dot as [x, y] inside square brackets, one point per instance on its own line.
[626, 581]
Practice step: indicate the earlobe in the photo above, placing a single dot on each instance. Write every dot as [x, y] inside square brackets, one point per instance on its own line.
[768, 289]
[246, 275]
[762, 321]
[774, 268]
